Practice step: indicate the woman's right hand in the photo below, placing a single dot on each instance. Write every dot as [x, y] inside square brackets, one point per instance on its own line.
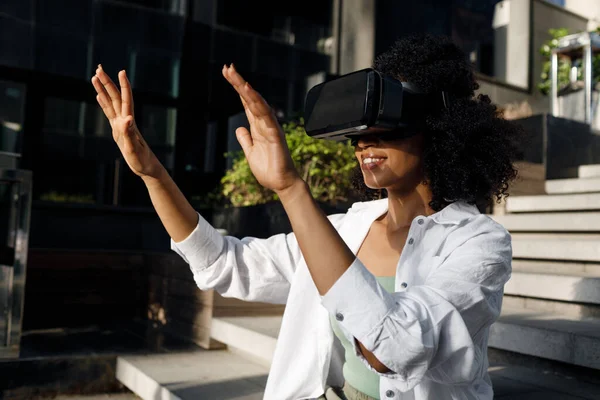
[118, 108]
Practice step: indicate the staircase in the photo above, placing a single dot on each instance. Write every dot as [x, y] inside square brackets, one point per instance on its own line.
[551, 309]
[546, 344]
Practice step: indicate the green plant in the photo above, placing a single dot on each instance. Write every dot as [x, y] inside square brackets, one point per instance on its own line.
[325, 165]
[564, 63]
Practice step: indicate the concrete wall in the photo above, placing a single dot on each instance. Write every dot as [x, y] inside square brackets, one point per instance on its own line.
[511, 31]
[357, 41]
[589, 9]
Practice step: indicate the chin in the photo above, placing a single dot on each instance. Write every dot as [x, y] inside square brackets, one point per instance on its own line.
[373, 185]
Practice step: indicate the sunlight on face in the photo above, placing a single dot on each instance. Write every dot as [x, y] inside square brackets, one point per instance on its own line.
[391, 164]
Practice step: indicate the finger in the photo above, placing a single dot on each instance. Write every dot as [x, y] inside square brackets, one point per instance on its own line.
[256, 104]
[126, 95]
[247, 111]
[103, 99]
[111, 89]
[245, 139]
[106, 106]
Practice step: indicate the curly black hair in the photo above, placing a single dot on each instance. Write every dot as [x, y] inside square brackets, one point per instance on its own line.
[469, 147]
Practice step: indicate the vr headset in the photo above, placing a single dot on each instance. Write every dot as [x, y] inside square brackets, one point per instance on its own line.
[367, 102]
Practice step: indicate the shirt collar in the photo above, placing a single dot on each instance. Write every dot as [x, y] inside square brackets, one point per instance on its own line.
[452, 214]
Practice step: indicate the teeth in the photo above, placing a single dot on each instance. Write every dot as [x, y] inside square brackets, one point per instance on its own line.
[369, 160]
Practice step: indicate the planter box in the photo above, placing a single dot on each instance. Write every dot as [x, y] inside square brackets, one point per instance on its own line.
[260, 221]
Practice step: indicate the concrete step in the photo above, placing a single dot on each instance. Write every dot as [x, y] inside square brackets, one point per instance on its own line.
[573, 310]
[544, 203]
[548, 335]
[577, 185]
[219, 374]
[567, 336]
[577, 287]
[551, 222]
[556, 267]
[516, 382]
[589, 171]
[556, 246]
[252, 337]
[211, 374]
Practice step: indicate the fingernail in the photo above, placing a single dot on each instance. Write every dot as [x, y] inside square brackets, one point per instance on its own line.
[248, 85]
[232, 66]
[100, 66]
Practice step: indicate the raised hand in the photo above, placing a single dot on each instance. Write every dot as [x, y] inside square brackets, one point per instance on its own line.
[118, 108]
[264, 145]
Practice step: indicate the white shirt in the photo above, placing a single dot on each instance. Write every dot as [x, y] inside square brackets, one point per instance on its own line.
[432, 332]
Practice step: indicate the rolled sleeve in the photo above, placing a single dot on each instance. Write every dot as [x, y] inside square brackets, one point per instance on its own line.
[433, 330]
[202, 247]
[359, 303]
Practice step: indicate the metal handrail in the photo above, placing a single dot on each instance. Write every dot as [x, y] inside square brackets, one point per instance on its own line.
[586, 43]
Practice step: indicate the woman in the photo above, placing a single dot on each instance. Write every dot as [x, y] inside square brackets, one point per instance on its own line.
[393, 299]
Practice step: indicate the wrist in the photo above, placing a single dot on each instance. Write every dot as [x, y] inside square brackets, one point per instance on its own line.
[158, 178]
[298, 189]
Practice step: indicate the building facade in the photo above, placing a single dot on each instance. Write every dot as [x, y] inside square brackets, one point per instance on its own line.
[174, 50]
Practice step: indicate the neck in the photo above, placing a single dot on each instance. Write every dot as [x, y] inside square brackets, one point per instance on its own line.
[404, 207]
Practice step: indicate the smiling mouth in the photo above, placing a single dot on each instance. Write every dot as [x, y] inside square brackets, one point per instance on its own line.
[371, 162]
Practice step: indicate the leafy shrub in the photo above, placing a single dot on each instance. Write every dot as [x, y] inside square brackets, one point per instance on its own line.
[564, 63]
[326, 166]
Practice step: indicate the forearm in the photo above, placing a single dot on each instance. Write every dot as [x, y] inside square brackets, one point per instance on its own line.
[176, 214]
[325, 253]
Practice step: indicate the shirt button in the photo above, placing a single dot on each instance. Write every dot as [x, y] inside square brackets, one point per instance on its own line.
[411, 241]
[339, 317]
[420, 221]
[390, 393]
[404, 284]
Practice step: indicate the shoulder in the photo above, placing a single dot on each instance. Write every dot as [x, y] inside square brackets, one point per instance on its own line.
[466, 228]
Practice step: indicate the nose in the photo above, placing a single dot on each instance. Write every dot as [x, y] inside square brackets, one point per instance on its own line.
[367, 141]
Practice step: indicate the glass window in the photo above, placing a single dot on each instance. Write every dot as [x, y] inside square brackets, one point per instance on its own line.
[19, 9]
[295, 23]
[12, 103]
[77, 155]
[491, 32]
[158, 125]
[170, 6]
[145, 43]
[16, 53]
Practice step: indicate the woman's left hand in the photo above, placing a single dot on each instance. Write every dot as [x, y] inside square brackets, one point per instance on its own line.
[264, 145]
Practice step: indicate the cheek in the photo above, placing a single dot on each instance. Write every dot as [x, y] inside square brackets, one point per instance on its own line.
[405, 163]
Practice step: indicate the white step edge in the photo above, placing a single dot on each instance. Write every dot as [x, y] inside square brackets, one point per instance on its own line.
[580, 288]
[589, 171]
[576, 185]
[556, 267]
[575, 247]
[551, 336]
[543, 203]
[214, 374]
[254, 337]
[140, 383]
[551, 222]
[573, 310]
